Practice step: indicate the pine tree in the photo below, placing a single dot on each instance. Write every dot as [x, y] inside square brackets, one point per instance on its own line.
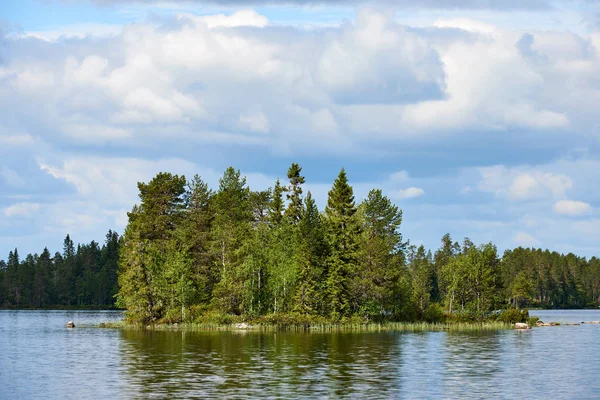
[144, 280]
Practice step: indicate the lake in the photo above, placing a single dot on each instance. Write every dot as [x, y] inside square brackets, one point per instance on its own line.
[40, 358]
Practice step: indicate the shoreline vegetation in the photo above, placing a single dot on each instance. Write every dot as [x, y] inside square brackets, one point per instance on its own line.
[321, 327]
[193, 256]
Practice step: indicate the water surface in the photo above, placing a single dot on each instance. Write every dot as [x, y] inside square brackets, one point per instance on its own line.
[40, 358]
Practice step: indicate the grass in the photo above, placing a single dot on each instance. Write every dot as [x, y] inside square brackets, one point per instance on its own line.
[322, 327]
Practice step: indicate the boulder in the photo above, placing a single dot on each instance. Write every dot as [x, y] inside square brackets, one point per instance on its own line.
[243, 325]
[70, 324]
[522, 325]
[572, 324]
[591, 322]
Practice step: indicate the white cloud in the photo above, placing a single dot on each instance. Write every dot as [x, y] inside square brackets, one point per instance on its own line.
[76, 31]
[204, 87]
[571, 207]
[410, 193]
[21, 210]
[525, 240]
[24, 139]
[238, 18]
[254, 122]
[523, 183]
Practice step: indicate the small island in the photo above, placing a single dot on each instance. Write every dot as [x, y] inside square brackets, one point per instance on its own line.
[235, 258]
[194, 257]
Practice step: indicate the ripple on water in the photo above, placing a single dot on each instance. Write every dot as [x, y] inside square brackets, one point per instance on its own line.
[42, 359]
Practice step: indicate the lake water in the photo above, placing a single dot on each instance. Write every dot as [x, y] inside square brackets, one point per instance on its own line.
[40, 358]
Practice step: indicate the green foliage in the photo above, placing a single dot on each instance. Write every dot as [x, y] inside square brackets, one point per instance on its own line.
[513, 315]
[191, 255]
[343, 232]
[294, 194]
[434, 313]
[82, 276]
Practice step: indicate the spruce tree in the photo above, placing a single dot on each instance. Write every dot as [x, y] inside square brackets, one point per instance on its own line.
[277, 207]
[196, 234]
[230, 229]
[312, 253]
[375, 284]
[294, 193]
[342, 231]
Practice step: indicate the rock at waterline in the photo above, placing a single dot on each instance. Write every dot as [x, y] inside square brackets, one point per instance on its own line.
[591, 322]
[522, 325]
[243, 325]
[542, 323]
[70, 324]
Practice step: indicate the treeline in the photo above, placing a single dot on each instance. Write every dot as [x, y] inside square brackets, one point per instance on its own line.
[78, 277]
[189, 252]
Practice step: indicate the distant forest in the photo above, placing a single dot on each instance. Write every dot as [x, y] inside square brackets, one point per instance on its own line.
[82, 276]
[189, 251]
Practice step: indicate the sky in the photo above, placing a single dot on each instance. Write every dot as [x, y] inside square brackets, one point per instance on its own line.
[477, 118]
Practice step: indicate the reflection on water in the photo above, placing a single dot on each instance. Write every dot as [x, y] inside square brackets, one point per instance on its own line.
[271, 364]
[39, 358]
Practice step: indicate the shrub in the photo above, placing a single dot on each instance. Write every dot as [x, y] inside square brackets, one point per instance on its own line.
[513, 315]
[434, 313]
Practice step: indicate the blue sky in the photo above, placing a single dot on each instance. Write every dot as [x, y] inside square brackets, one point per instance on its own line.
[477, 118]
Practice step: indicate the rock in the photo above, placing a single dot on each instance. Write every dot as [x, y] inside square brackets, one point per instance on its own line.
[522, 325]
[572, 324]
[540, 323]
[102, 325]
[243, 325]
[554, 323]
[70, 324]
[591, 322]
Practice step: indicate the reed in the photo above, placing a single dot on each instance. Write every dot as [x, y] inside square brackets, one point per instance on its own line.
[321, 327]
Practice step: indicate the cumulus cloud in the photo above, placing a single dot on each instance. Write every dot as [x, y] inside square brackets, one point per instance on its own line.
[571, 207]
[322, 89]
[439, 4]
[526, 240]
[409, 193]
[458, 103]
[16, 140]
[523, 183]
[21, 210]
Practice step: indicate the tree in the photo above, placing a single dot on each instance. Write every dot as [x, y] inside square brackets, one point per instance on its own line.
[342, 231]
[42, 287]
[277, 207]
[231, 227]
[196, 236]
[143, 280]
[380, 257]
[421, 268]
[312, 256]
[521, 289]
[294, 194]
